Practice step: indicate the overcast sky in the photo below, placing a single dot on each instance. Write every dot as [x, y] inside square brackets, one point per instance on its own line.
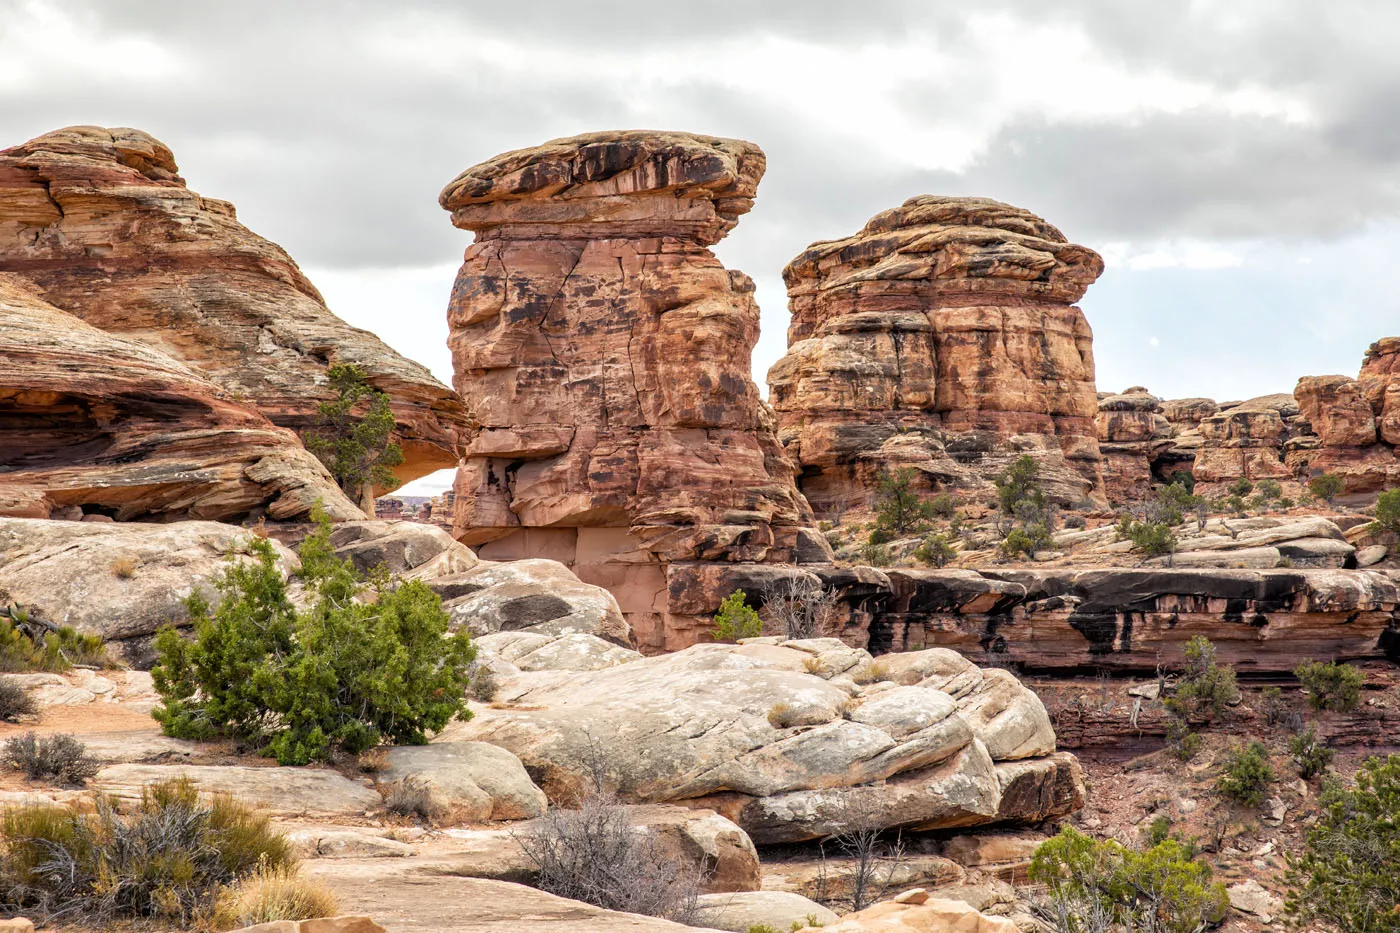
[1237, 163]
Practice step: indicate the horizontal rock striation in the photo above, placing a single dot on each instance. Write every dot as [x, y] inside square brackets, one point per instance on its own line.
[1259, 620]
[605, 351]
[943, 336]
[100, 221]
[97, 425]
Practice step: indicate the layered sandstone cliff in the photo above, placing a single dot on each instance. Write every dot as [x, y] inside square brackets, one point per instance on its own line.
[96, 425]
[100, 221]
[605, 351]
[942, 336]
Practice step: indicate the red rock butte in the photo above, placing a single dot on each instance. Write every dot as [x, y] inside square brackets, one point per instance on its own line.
[605, 351]
[103, 227]
[943, 336]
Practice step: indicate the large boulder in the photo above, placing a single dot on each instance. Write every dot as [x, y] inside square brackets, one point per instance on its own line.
[122, 581]
[777, 910]
[782, 739]
[99, 220]
[915, 912]
[472, 781]
[289, 791]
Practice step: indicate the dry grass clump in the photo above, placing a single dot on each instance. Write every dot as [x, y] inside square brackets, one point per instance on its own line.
[15, 701]
[870, 672]
[783, 715]
[272, 893]
[168, 859]
[813, 665]
[124, 568]
[374, 761]
[413, 798]
[60, 758]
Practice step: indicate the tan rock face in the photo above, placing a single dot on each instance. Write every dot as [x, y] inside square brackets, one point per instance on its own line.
[1337, 410]
[605, 351]
[1246, 440]
[99, 220]
[1132, 434]
[951, 320]
[97, 424]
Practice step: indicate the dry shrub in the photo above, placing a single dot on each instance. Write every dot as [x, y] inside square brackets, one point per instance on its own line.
[124, 568]
[413, 798]
[783, 715]
[60, 758]
[813, 665]
[167, 859]
[15, 701]
[594, 854]
[374, 761]
[272, 894]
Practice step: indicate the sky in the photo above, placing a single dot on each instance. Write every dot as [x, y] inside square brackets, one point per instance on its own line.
[1236, 162]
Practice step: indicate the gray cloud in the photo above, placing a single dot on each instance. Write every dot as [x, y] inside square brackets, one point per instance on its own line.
[337, 150]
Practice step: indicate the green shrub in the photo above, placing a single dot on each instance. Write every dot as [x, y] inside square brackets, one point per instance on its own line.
[300, 684]
[1028, 541]
[357, 451]
[1152, 538]
[1326, 487]
[1331, 685]
[736, 619]
[1241, 487]
[875, 554]
[1181, 741]
[880, 535]
[1346, 875]
[1206, 688]
[1247, 775]
[1105, 885]
[15, 701]
[59, 758]
[1310, 754]
[1018, 483]
[29, 645]
[1269, 489]
[1185, 479]
[943, 505]
[1388, 510]
[1271, 699]
[169, 859]
[936, 549]
[899, 508]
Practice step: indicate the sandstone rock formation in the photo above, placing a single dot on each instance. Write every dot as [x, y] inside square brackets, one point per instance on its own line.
[1133, 434]
[1246, 440]
[101, 223]
[782, 739]
[1350, 426]
[942, 336]
[93, 424]
[605, 351]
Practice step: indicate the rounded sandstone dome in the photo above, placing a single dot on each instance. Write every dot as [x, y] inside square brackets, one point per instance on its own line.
[121, 144]
[954, 244]
[633, 183]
